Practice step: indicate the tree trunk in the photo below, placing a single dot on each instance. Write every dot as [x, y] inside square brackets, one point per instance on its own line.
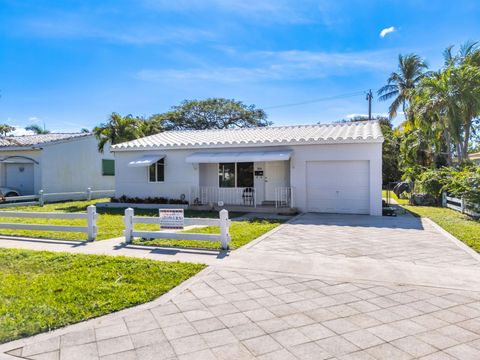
[448, 140]
[466, 140]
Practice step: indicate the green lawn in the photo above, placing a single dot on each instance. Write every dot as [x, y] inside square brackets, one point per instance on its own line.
[40, 291]
[394, 197]
[241, 232]
[461, 226]
[110, 223]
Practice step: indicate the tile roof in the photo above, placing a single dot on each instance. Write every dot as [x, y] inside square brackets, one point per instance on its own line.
[33, 140]
[352, 132]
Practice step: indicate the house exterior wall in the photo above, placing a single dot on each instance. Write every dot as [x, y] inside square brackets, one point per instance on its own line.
[180, 176]
[371, 152]
[74, 165]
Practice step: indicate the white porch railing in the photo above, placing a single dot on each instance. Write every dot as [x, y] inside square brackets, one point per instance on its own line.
[283, 197]
[205, 195]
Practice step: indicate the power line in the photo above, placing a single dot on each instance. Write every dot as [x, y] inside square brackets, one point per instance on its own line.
[341, 96]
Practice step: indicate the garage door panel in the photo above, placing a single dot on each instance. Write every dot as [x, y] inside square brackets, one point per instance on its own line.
[338, 186]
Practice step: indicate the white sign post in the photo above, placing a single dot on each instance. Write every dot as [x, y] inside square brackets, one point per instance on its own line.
[171, 219]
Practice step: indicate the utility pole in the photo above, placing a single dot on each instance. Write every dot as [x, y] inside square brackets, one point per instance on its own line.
[369, 99]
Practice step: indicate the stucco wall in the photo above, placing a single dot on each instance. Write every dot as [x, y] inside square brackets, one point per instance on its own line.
[74, 165]
[180, 176]
[370, 152]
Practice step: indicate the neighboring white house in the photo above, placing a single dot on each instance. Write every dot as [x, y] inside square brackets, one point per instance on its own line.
[54, 163]
[334, 168]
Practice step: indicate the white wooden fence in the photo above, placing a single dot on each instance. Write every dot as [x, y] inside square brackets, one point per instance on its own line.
[223, 222]
[42, 198]
[91, 216]
[459, 204]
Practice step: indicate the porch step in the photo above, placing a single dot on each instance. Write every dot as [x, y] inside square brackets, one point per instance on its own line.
[258, 209]
[268, 203]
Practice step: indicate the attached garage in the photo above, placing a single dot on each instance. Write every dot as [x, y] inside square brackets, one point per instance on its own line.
[338, 186]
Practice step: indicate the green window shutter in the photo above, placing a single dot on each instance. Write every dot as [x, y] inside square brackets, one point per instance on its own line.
[108, 167]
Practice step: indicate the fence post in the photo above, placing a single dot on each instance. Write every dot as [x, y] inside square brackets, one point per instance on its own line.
[444, 199]
[89, 193]
[224, 229]
[128, 221]
[92, 222]
[41, 198]
[462, 201]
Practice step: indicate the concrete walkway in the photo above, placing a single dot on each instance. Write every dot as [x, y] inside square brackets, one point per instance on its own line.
[320, 287]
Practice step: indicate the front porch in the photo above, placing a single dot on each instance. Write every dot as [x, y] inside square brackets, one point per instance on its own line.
[241, 198]
[248, 180]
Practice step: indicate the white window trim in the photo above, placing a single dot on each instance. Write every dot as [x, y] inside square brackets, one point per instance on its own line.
[148, 173]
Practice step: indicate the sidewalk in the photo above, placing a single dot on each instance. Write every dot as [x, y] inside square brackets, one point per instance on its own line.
[117, 247]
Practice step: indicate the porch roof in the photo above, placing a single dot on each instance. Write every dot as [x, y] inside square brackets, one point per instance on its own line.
[245, 156]
[146, 160]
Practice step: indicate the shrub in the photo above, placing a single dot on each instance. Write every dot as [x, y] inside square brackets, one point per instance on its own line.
[148, 200]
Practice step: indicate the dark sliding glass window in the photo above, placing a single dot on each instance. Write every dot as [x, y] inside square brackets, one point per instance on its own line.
[226, 174]
[245, 174]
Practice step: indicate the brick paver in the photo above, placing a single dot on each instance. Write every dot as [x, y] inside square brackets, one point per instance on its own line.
[412, 322]
[240, 313]
[402, 238]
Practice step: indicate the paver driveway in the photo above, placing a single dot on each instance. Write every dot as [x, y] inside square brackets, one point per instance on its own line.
[248, 307]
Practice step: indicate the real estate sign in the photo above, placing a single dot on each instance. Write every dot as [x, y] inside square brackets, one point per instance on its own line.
[171, 218]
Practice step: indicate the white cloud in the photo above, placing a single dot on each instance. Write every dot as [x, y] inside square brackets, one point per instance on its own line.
[79, 26]
[387, 31]
[374, 115]
[283, 11]
[280, 65]
[20, 131]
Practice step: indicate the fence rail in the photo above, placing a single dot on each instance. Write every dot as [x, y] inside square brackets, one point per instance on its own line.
[91, 216]
[459, 204]
[223, 222]
[42, 197]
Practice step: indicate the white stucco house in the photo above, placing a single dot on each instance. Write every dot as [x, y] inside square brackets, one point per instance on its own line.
[333, 168]
[54, 163]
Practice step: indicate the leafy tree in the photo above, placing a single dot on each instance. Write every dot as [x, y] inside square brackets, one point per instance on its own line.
[400, 84]
[84, 130]
[116, 130]
[37, 129]
[214, 113]
[390, 148]
[5, 129]
[151, 126]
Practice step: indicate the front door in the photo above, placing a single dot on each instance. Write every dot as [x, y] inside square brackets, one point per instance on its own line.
[20, 177]
[276, 175]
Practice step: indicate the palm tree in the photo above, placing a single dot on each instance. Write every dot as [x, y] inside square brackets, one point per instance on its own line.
[38, 130]
[118, 129]
[6, 129]
[400, 84]
[436, 111]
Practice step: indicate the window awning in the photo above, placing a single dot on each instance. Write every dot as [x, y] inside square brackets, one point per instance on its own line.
[246, 156]
[145, 160]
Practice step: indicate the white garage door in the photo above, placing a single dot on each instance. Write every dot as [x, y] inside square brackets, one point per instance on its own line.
[338, 187]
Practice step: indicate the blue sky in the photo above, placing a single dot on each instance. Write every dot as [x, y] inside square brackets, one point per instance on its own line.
[69, 64]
